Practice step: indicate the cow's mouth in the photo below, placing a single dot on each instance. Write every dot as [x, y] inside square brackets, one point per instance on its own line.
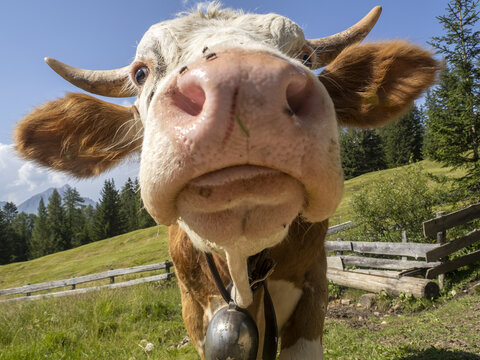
[240, 201]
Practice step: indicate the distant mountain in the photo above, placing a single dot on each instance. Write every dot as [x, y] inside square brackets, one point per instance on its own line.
[30, 206]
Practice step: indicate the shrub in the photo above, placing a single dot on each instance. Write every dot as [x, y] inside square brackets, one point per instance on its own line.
[395, 203]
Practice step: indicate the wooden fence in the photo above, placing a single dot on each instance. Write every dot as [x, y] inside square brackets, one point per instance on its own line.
[74, 281]
[355, 265]
[438, 227]
[375, 274]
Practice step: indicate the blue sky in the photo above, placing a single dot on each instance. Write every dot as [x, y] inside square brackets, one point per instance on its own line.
[103, 35]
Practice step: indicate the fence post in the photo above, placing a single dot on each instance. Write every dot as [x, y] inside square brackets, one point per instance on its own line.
[404, 241]
[73, 285]
[112, 278]
[441, 239]
[28, 294]
[168, 264]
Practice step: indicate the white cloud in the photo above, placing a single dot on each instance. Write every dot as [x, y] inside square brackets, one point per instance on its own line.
[20, 179]
[191, 4]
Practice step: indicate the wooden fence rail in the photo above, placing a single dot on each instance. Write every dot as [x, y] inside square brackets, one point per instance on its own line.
[340, 227]
[445, 222]
[419, 288]
[415, 250]
[142, 280]
[110, 274]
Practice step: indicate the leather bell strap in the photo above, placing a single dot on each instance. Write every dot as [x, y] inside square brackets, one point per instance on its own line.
[270, 342]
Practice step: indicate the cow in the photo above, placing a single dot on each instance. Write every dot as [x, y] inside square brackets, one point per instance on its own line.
[238, 139]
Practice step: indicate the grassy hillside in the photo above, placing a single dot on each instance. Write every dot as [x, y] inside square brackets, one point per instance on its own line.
[147, 246]
[343, 212]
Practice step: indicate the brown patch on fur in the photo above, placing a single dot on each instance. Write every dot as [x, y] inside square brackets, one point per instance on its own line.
[79, 134]
[374, 83]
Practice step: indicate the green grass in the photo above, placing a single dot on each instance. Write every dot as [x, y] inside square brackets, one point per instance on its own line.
[109, 324]
[448, 332]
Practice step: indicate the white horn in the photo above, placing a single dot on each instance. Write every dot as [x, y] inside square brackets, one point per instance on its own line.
[112, 83]
[328, 48]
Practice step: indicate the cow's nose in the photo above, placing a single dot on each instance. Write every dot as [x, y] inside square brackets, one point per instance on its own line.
[190, 95]
[232, 84]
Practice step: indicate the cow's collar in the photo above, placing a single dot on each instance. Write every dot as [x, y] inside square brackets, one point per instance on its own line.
[260, 266]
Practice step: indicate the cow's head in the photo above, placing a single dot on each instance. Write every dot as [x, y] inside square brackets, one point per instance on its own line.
[237, 134]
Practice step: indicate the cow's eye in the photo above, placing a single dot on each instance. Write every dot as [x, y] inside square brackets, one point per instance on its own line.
[307, 59]
[141, 75]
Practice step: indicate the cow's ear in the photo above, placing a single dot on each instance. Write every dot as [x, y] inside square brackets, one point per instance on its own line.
[79, 134]
[372, 84]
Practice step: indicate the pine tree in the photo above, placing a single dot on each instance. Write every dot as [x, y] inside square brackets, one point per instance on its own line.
[74, 220]
[108, 218]
[5, 249]
[13, 242]
[361, 152]
[453, 119]
[40, 241]
[55, 223]
[10, 210]
[129, 206]
[403, 140]
[87, 234]
[22, 226]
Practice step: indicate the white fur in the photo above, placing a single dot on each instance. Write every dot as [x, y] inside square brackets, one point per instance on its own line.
[236, 255]
[303, 350]
[169, 45]
[285, 297]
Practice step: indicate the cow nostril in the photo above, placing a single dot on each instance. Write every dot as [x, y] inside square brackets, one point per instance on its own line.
[297, 94]
[190, 99]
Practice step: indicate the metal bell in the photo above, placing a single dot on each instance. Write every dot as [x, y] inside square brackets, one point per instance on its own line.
[232, 334]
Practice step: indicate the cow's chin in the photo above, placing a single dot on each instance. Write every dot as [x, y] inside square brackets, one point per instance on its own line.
[245, 208]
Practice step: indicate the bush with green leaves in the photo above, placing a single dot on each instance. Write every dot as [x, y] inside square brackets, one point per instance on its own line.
[395, 203]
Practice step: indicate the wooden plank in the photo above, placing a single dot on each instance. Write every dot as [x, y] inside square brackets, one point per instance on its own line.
[94, 288]
[419, 288]
[82, 279]
[335, 262]
[454, 245]
[385, 273]
[338, 246]
[453, 265]
[340, 227]
[415, 250]
[389, 264]
[445, 222]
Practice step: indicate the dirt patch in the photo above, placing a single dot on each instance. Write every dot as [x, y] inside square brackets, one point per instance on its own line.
[452, 325]
[355, 316]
